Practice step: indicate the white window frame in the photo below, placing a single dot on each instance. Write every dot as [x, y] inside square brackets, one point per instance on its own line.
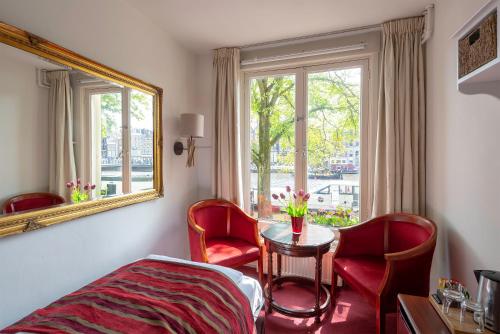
[301, 72]
[126, 162]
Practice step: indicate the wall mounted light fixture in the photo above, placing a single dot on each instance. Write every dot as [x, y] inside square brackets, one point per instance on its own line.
[191, 126]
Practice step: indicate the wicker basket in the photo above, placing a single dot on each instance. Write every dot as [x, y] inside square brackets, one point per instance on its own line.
[479, 46]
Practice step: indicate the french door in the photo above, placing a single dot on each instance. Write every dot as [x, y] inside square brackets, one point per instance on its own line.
[305, 128]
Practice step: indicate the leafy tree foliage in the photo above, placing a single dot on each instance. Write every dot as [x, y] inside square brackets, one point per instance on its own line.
[333, 118]
[111, 104]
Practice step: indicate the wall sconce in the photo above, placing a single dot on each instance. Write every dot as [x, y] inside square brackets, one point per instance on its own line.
[191, 127]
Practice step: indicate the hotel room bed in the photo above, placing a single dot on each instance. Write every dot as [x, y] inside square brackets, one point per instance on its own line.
[157, 294]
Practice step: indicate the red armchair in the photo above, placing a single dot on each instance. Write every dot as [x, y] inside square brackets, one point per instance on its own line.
[31, 201]
[221, 233]
[386, 256]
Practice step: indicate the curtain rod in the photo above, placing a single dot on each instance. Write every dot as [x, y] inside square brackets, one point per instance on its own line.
[310, 38]
[304, 54]
[428, 14]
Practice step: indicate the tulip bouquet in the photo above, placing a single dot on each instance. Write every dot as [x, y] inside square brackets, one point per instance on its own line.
[79, 193]
[296, 204]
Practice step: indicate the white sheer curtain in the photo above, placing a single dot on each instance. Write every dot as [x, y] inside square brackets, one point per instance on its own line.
[61, 155]
[399, 176]
[227, 171]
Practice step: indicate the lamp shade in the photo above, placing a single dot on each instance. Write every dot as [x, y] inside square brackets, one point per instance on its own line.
[192, 125]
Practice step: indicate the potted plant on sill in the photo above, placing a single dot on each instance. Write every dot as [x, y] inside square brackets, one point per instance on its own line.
[295, 206]
[336, 218]
[78, 193]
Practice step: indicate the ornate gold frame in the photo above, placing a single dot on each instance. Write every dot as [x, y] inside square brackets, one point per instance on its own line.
[33, 220]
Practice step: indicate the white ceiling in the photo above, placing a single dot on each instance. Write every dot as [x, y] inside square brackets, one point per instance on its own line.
[202, 25]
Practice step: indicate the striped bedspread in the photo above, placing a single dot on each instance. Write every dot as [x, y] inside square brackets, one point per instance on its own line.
[147, 296]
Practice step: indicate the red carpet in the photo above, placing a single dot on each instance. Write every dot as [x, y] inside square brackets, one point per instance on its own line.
[351, 315]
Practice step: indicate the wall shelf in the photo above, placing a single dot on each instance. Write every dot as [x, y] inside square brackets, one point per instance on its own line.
[489, 73]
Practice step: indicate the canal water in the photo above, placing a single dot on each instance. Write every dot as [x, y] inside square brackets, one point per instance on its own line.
[279, 181]
[326, 194]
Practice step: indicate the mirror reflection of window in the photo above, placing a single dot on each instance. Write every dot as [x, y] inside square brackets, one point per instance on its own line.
[108, 142]
[123, 147]
[141, 140]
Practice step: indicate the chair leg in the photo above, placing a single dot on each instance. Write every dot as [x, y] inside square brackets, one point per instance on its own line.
[380, 320]
[260, 265]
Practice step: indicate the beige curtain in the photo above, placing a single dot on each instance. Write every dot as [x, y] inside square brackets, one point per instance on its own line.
[399, 176]
[61, 155]
[226, 79]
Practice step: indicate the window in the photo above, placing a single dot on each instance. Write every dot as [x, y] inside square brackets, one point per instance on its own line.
[272, 140]
[122, 141]
[304, 131]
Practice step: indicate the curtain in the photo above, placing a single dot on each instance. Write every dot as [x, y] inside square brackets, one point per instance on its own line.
[227, 171]
[61, 155]
[399, 168]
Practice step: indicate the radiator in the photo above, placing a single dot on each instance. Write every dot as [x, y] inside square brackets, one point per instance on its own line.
[303, 266]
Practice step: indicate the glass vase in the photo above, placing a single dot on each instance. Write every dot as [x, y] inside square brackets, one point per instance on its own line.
[297, 223]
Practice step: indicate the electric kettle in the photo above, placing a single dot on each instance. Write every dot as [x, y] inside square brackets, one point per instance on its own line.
[488, 294]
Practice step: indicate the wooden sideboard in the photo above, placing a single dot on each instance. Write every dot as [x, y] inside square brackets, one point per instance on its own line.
[424, 315]
[416, 315]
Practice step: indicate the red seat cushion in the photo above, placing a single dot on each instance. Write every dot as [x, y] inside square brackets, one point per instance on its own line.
[364, 273]
[231, 251]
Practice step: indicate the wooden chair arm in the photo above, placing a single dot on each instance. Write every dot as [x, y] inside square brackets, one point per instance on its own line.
[407, 271]
[255, 223]
[198, 229]
[412, 252]
[197, 243]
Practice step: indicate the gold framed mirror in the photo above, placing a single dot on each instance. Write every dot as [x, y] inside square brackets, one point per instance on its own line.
[79, 137]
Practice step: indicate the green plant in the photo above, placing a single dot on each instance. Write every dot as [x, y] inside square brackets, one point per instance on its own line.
[339, 217]
[79, 193]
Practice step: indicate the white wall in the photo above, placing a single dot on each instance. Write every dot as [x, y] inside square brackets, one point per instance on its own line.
[38, 267]
[204, 105]
[23, 129]
[463, 157]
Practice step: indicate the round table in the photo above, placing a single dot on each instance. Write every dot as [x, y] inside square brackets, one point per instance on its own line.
[314, 241]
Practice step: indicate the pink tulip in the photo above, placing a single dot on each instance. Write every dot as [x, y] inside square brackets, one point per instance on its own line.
[78, 181]
[68, 185]
[307, 196]
[86, 187]
[301, 193]
[282, 196]
[294, 196]
[275, 196]
[288, 189]
[92, 187]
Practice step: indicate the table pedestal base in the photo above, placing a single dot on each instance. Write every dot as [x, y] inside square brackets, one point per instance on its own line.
[315, 311]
